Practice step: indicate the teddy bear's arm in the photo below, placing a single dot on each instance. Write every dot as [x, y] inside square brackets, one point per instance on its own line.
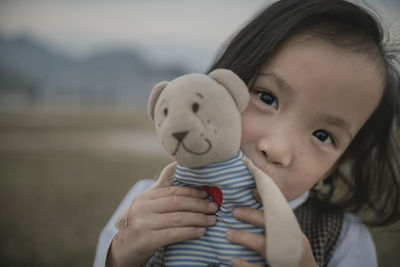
[166, 177]
[283, 234]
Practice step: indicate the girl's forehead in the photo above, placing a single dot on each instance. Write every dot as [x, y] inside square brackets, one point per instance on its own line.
[319, 61]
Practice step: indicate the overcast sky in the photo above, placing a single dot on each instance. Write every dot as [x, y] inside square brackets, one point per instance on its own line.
[191, 29]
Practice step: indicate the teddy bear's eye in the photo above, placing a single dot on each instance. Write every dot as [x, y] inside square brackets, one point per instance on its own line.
[165, 111]
[195, 107]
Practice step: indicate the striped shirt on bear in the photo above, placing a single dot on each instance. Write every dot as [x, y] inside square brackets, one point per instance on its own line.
[235, 181]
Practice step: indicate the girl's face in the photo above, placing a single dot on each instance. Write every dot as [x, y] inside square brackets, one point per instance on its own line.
[305, 108]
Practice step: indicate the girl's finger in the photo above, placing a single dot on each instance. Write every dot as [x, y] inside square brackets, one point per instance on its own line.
[249, 215]
[173, 191]
[238, 262]
[251, 241]
[181, 219]
[181, 203]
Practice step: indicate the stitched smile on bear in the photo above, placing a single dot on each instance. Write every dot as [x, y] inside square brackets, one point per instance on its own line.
[180, 136]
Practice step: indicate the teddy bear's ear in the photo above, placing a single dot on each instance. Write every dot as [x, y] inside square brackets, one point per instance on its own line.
[154, 94]
[235, 86]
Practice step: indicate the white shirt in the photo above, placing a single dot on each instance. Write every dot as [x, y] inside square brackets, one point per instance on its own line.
[354, 248]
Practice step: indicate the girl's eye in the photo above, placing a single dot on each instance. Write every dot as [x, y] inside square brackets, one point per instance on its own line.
[268, 99]
[324, 137]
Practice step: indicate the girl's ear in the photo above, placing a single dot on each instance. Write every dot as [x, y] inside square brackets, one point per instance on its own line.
[234, 85]
[154, 94]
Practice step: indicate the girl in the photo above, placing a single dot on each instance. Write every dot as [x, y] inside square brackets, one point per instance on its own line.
[324, 109]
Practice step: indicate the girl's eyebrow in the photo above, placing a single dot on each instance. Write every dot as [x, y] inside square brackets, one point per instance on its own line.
[282, 84]
[338, 122]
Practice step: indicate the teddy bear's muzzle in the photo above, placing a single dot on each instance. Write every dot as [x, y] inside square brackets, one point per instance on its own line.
[180, 135]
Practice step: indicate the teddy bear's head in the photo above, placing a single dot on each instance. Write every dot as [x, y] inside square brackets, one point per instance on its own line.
[197, 116]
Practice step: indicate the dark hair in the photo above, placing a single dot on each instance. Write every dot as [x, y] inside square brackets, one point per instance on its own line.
[367, 176]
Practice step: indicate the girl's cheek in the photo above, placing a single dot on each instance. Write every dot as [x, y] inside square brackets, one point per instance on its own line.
[314, 168]
[248, 128]
[253, 124]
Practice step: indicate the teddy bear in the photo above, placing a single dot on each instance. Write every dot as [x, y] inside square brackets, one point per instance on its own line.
[198, 121]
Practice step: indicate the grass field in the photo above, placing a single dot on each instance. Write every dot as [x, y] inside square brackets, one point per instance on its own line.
[63, 173]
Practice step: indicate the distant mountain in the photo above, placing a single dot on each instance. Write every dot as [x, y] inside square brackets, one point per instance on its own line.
[108, 78]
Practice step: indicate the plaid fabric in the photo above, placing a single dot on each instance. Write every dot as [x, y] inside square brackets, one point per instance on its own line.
[321, 225]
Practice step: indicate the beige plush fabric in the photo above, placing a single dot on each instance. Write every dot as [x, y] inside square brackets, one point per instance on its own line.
[197, 119]
[203, 109]
[284, 236]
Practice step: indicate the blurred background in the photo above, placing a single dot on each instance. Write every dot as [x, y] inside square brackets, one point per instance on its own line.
[74, 136]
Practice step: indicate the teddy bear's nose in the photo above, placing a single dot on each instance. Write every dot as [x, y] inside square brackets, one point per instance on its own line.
[180, 135]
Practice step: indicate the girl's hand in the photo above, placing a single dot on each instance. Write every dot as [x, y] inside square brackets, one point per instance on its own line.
[257, 242]
[157, 218]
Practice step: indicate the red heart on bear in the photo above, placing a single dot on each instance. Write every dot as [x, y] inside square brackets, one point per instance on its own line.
[215, 193]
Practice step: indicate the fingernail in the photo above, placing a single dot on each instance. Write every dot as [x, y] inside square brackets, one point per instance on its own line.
[237, 212]
[201, 230]
[234, 261]
[213, 206]
[212, 219]
[204, 193]
[229, 234]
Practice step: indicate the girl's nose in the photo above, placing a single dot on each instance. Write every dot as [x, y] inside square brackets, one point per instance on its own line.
[277, 149]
